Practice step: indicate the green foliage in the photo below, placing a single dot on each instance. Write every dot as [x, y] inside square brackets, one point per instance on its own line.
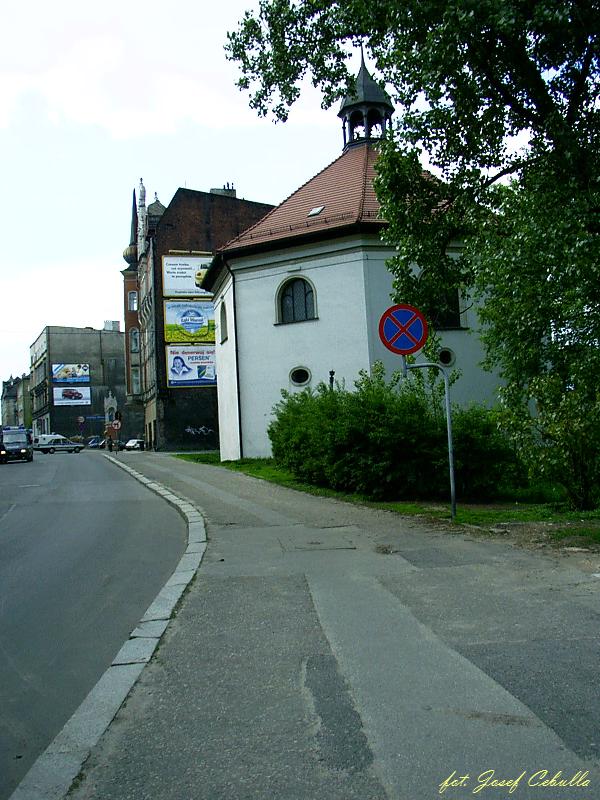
[485, 461]
[389, 440]
[489, 90]
[304, 429]
[537, 503]
[560, 442]
[468, 73]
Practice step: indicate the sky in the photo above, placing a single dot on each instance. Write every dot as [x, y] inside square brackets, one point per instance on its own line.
[94, 97]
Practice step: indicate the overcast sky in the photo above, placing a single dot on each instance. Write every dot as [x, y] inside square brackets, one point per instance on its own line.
[94, 97]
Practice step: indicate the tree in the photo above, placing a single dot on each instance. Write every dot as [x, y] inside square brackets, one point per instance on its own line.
[502, 96]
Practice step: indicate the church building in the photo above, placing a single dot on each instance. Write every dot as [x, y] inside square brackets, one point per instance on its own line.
[299, 295]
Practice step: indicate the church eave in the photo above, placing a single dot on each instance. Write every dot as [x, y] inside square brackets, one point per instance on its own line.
[366, 226]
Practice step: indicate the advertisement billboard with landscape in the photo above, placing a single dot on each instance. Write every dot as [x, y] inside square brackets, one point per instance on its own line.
[189, 321]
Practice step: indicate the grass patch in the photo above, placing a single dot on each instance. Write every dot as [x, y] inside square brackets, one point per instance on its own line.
[484, 515]
[576, 536]
[266, 469]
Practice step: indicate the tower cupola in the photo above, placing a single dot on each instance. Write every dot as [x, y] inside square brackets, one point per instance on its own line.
[366, 112]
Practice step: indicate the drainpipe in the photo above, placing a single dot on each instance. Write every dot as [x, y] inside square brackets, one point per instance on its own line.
[237, 360]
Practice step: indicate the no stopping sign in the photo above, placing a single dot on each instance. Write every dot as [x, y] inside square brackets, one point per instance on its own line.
[403, 329]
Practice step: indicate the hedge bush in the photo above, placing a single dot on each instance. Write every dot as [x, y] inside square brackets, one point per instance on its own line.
[388, 440]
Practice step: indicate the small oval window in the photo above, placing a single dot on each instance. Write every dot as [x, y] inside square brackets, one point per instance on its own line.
[299, 376]
[446, 357]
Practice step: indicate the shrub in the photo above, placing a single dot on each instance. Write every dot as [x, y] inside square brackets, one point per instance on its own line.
[387, 439]
[381, 440]
[485, 462]
[302, 431]
[560, 442]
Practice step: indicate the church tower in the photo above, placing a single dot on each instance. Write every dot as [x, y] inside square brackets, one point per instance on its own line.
[366, 113]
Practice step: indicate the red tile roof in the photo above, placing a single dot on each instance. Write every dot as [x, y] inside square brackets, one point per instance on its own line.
[344, 189]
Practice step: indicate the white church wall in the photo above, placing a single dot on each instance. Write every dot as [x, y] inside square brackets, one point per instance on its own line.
[227, 388]
[268, 351]
[352, 290]
[473, 385]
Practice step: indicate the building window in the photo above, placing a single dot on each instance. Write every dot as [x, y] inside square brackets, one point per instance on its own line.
[132, 301]
[296, 301]
[300, 376]
[135, 380]
[223, 323]
[134, 340]
[446, 357]
[448, 317]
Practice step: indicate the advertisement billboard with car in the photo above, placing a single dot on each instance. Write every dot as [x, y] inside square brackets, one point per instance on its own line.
[72, 396]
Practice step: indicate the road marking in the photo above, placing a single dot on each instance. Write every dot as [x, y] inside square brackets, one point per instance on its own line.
[8, 510]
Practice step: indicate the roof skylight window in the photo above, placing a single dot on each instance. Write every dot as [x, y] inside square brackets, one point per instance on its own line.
[315, 211]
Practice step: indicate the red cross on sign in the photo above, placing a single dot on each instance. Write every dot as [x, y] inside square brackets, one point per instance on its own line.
[403, 329]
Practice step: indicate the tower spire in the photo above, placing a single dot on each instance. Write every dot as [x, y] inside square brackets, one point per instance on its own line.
[366, 111]
[130, 252]
[134, 221]
[142, 218]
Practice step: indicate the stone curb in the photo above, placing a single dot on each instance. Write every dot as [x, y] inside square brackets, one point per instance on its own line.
[53, 773]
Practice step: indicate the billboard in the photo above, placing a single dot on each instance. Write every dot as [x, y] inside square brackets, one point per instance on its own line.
[190, 321]
[191, 365]
[72, 396]
[70, 373]
[182, 275]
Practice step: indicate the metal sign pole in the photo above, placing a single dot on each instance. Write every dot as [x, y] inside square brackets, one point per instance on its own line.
[403, 330]
[448, 426]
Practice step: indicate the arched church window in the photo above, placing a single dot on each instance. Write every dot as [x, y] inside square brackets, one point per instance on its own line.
[296, 301]
[223, 323]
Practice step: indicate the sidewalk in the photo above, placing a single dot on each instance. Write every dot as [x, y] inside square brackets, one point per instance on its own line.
[305, 663]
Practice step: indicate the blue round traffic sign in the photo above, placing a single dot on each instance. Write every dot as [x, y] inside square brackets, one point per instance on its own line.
[403, 329]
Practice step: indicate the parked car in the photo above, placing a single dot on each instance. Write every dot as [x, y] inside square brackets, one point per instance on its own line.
[95, 441]
[135, 444]
[61, 445]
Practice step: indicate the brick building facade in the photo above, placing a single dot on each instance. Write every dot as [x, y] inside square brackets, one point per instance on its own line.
[181, 414]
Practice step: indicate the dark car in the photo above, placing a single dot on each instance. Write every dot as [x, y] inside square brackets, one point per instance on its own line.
[15, 445]
[72, 394]
[95, 442]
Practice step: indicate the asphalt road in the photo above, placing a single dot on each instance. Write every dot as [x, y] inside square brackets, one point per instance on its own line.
[327, 650]
[84, 549]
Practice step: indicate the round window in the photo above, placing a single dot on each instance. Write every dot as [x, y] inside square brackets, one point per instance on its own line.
[446, 357]
[300, 376]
